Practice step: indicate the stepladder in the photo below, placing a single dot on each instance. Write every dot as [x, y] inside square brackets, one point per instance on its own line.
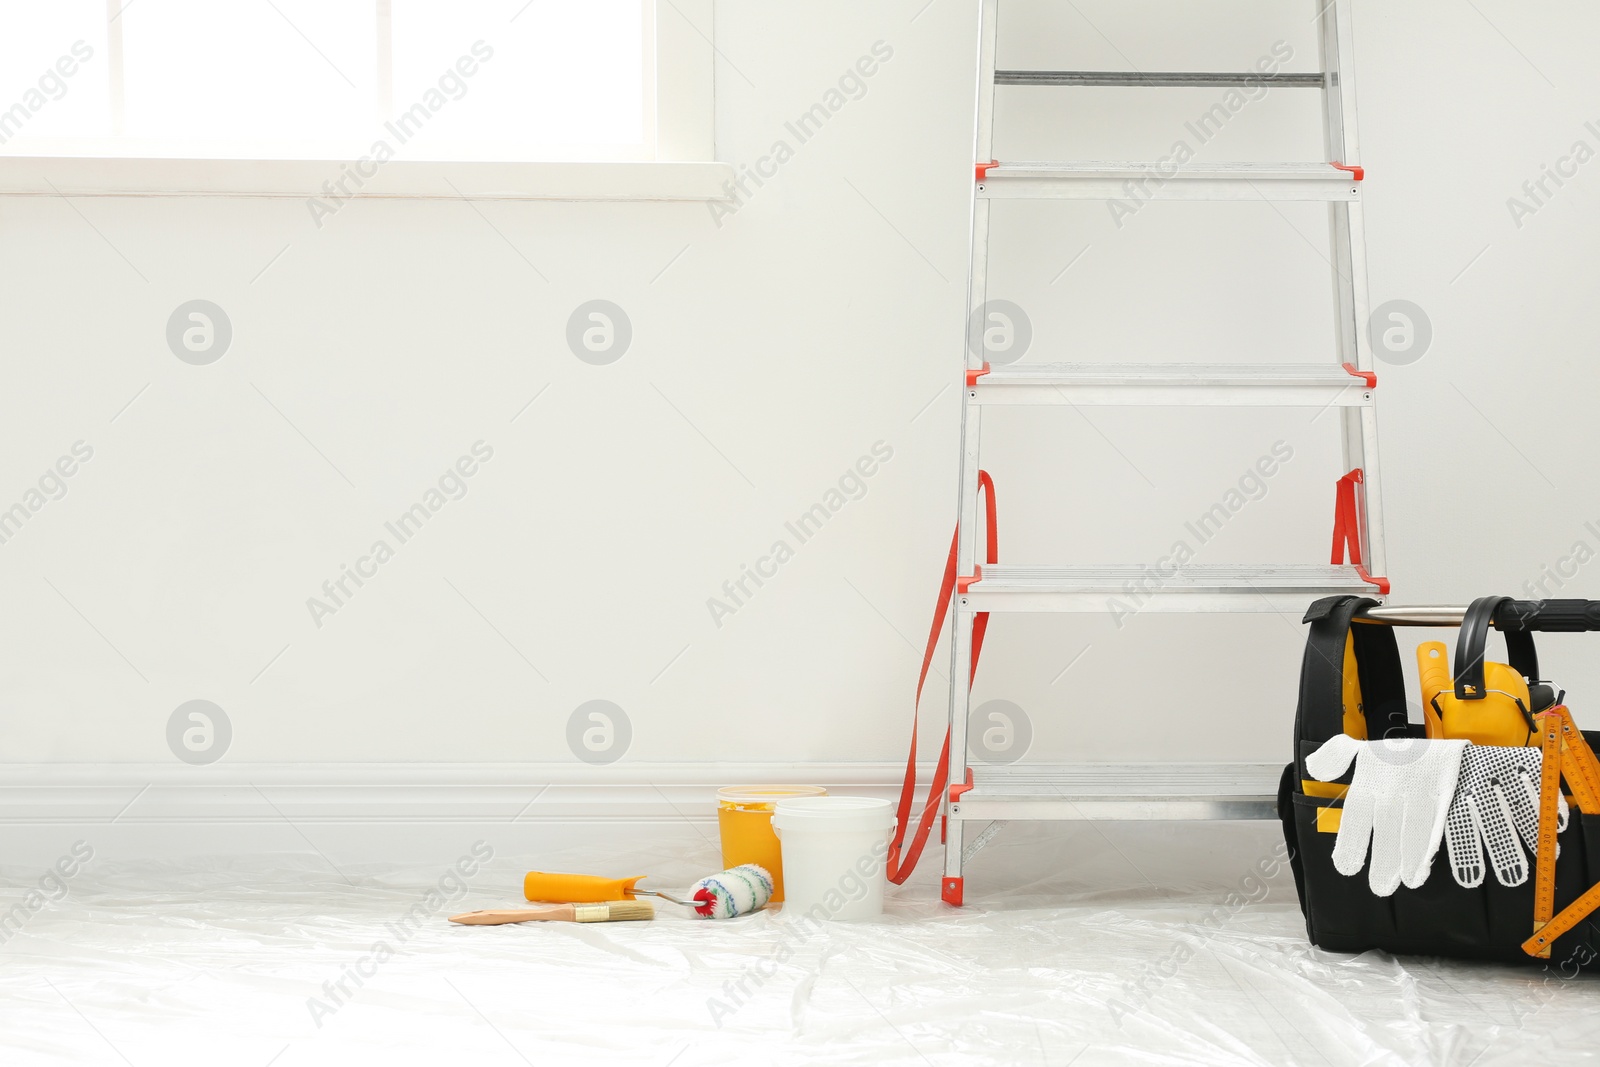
[1341, 378]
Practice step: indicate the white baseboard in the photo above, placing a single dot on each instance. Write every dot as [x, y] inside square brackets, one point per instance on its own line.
[132, 794]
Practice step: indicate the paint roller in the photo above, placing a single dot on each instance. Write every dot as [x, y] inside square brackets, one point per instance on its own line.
[738, 891]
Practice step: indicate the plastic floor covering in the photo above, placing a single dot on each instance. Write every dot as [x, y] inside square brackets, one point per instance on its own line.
[1080, 944]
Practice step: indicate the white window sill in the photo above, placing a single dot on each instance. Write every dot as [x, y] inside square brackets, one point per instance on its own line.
[394, 180]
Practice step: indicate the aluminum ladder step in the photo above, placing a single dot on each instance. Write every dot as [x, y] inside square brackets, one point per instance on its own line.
[1121, 791]
[1167, 586]
[1174, 384]
[1169, 180]
[1159, 79]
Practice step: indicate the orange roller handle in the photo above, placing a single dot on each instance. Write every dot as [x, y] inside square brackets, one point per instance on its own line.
[576, 888]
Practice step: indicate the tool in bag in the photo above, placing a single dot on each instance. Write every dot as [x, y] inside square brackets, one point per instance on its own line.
[1433, 673]
[1505, 804]
[1497, 801]
[1486, 703]
[1502, 717]
[1567, 755]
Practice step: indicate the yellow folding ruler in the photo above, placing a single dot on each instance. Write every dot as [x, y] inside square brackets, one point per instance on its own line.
[1567, 754]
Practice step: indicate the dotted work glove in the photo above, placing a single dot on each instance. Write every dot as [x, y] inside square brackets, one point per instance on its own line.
[1496, 803]
[1397, 800]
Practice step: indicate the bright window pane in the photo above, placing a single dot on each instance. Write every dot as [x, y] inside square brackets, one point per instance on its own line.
[436, 79]
[39, 44]
[562, 75]
[248, 70]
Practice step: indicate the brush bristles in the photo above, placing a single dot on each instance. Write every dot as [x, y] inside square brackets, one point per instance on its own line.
[614, 912]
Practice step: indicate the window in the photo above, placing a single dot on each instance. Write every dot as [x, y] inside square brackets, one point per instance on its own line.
[413, 81]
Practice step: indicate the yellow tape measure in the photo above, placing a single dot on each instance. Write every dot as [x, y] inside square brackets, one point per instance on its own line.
[1565, 753]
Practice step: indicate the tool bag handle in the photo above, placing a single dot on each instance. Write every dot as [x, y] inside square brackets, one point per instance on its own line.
[1320, 714]
[1472, 639]
[1547, 616]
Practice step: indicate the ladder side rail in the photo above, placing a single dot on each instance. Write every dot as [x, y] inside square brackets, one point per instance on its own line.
[960, 701]
[1340, 237]
[1369, 501]
[1347, 243]
[1339, 51]
[1354, 223]
[971, 431]
[977, 291]
[961, 623]
[983, 119]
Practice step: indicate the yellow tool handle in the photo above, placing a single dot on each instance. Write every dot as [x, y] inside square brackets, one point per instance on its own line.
[1355, 717]
[1433, 670]
[577, 888]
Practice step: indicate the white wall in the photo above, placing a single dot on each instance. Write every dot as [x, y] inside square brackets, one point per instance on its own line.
[769, 353]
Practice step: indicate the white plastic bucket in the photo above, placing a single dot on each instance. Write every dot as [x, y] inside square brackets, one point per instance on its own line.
[834, 851]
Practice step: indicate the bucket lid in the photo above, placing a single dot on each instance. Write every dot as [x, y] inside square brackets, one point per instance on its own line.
[767, 794]
[834, 814]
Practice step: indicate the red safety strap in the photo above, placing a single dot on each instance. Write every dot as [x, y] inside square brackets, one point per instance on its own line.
[900, 870]
[1368, 376]
[1346, 532]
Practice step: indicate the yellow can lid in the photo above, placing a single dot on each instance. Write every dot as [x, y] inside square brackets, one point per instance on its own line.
[766, 794]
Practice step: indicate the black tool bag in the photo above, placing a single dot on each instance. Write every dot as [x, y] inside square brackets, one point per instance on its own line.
[1441, 918]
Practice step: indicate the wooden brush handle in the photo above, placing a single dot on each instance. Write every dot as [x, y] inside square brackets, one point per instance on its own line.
[550, 913]
[610, 912]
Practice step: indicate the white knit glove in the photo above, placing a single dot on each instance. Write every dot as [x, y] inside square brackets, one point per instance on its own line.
[1397, 799]
[1496, 802]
